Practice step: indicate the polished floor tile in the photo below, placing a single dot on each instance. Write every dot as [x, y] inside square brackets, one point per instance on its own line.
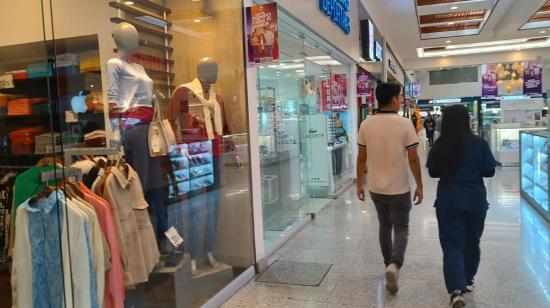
[514, 271]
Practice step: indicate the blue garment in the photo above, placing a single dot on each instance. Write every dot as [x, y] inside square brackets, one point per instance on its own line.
[45, 228]
[459, 234]
[466, 190]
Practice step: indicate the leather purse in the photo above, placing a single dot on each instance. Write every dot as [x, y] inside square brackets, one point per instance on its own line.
[161, 134]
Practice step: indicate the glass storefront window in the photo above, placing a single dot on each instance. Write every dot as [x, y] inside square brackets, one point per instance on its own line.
[304, 116]
[143, 103]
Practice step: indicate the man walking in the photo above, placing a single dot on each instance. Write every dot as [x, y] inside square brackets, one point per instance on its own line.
[387, 144]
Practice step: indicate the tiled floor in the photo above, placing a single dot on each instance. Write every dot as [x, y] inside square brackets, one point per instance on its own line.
[515, 268]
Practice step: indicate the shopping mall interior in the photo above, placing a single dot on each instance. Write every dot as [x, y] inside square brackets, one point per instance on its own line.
[208, 153]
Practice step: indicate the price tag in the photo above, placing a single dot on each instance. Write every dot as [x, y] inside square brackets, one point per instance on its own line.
[174, 237]
[71, 117]
[6, 81]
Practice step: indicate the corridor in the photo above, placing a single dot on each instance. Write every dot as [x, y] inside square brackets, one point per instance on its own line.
[514, 272]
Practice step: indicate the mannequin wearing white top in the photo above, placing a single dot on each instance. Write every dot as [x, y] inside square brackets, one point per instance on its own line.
[131, 89]
[192, 103]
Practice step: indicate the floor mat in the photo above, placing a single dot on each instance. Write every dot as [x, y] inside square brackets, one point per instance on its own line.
[295, 273]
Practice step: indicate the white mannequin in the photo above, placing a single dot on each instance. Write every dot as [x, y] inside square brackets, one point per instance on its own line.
[126, 39]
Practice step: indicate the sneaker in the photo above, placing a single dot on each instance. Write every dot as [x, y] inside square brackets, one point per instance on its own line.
[392, 276]
[457, 299]
[470, 286]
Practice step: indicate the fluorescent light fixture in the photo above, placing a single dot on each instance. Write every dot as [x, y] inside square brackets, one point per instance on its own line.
[542, 31]
[197, 20]
[300, 71]
[454, 7]
[451, 23]
[448, 41]
[129, 2]
[485, 47]
[319, 58]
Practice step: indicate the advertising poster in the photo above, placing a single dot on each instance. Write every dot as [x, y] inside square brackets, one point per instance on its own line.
[363, 83]
[262, 31]
[339, 90]
[314, 136]
[532, 78]
[489, 80]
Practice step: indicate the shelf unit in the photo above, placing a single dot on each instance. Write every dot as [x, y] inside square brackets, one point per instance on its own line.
[56, 87]
[151, 21]
[534, 181]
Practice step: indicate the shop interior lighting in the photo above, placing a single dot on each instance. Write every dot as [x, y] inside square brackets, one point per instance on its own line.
[448, 42]
[129, 2]
[454, 8]
[542, 31]
[484, 47]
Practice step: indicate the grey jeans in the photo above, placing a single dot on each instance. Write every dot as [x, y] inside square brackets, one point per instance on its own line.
[393, 215]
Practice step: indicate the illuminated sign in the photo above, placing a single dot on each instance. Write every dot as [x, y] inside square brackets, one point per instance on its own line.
[337, 10]
[392, 66]
[378, 51]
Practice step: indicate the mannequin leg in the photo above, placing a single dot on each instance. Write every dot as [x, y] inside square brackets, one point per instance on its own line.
[213, 201]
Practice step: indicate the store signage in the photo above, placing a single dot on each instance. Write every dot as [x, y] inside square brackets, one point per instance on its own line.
[314, 149]
[446, 101]
[378, 51]
[6, 81]
[337, 10]
[392, 66]
[505, 79]
[262, 34]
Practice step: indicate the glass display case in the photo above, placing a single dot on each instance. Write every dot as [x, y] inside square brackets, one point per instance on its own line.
[505, 142]
[534, 169]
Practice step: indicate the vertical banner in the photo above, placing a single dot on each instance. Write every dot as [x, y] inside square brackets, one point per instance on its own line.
[532, 77]
[339, 88]
[314, 136]
[363, 83]
[262, 32]
[489, 80]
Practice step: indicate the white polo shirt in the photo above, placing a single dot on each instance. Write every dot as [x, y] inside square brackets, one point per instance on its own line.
[387, 137]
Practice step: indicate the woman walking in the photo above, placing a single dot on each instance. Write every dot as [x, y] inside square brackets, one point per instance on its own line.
[429, 126]
[460, 160]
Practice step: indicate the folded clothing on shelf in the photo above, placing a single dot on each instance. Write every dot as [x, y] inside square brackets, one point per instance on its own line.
[4, 145]
[97, 138]
[24, 106]
[18, 75]
[90, 62]
[22, 140]
[47, 143]
[66, 60]
[43, 69]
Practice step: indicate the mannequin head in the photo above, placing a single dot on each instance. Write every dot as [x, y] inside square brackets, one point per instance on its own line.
[207, 71]
[126, 38]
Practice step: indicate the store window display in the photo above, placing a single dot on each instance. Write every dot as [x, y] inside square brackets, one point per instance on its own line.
[169, 230]
[304, 116]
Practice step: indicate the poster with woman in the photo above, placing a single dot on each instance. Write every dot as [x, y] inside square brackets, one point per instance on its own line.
[262, 33]
[532, 77]
[489, 80]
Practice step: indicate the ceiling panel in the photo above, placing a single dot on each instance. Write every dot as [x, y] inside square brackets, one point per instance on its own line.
[435, 2]
[452, 17]
[540, 19]
[450, 28]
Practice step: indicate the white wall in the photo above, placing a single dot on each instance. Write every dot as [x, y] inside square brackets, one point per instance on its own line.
[309, 13]
[428, 91]
[400, 75]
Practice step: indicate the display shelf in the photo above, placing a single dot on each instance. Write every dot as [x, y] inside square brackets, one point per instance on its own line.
[143, 28]
[534, 169]
[135, 11]
[154, 6]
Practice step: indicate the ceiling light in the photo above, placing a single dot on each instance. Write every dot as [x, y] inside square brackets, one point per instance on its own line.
[129, 2]
[451, 23]
[300, 71]
[519, 49]
[448, 41]
[197, 20]
[488, 47]
[542, 31]
[454, 7]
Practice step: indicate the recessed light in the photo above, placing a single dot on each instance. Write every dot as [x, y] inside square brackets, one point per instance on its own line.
[196, 20]
[451, 23]
[454, 7]
[542, 31]
[519, 49]
[448, 41]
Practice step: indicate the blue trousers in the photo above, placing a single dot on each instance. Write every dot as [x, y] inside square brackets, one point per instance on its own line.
[459, 234]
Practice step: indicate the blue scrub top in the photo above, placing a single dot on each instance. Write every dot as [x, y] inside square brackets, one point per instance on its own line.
[466, 190]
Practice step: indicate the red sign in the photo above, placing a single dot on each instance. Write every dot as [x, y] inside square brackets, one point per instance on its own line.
[262, 31]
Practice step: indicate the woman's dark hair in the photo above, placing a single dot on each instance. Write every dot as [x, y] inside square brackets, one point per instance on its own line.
[448, 151]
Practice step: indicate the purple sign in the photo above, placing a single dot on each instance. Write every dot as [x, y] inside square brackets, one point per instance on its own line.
[489, 80]
[363, 83]
[532, 78]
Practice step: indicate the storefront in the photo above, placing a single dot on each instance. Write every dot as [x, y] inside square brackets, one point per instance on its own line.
[306, 119]
[85, 161]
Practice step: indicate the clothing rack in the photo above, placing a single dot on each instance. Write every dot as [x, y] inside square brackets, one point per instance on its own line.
[58, 174]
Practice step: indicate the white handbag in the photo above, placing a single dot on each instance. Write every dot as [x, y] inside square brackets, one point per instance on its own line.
[161, 134]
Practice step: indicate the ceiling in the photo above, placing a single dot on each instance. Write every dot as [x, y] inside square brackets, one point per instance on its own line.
[439, 23]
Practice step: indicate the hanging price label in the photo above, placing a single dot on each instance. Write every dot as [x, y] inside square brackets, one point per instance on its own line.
[174, 237]
[6, 81]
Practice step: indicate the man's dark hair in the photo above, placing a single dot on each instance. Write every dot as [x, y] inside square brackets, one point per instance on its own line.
[386, 91]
